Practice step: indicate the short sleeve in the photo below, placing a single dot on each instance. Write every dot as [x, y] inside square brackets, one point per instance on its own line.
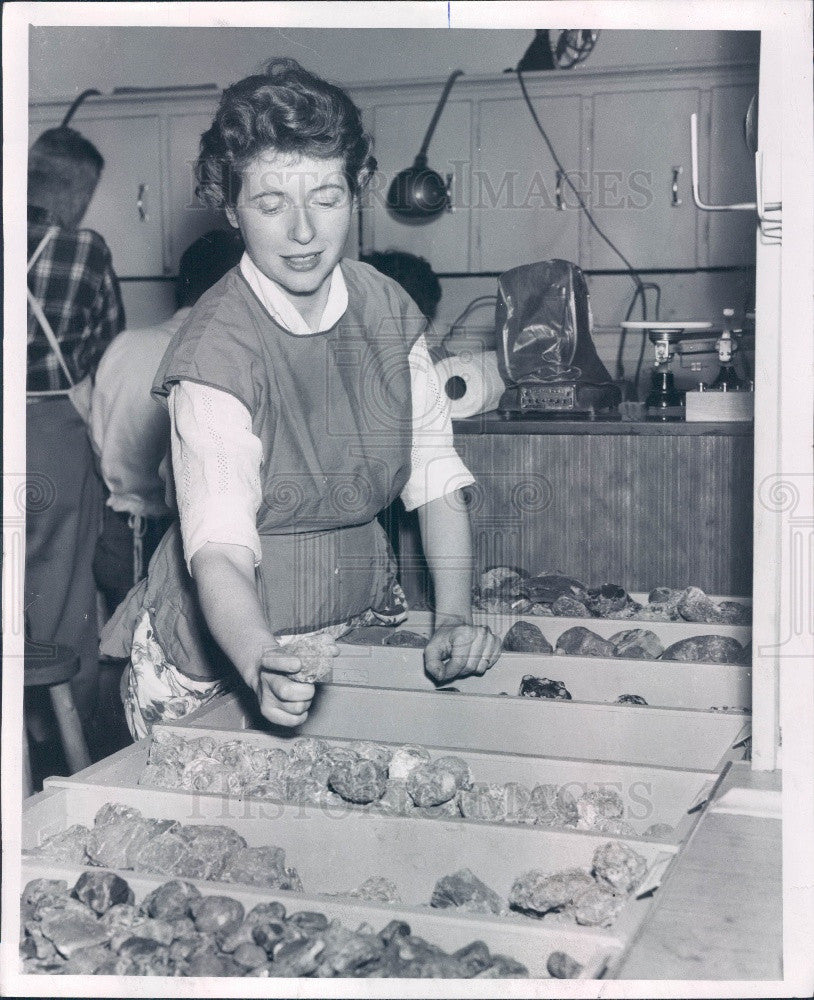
[216, 464]
[435, 466]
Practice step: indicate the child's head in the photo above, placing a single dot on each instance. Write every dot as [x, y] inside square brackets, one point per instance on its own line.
[286, 110]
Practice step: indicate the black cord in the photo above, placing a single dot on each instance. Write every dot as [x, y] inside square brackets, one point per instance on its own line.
[470, 307]
[564, 173]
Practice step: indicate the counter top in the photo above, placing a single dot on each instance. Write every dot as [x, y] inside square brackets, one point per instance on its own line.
[495, 423]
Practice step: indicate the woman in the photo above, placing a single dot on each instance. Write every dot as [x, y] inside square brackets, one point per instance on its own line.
[302, 402]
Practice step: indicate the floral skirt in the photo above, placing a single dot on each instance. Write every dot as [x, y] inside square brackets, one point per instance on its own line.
[154, 690]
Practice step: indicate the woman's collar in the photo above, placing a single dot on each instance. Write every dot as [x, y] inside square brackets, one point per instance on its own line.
[283, 311]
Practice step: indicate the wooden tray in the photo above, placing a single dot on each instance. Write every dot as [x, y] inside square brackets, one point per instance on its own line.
[334, 855]
[650, 794]
[587, 678]
[630, 734]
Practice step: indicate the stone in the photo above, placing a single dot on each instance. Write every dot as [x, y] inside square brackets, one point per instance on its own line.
[500, 581]
[459, 769]
[569, 607]
[599, 803]
[537, 891]
[377, 888]
[637, 644]
[217, 914]
[606, 601]
[359, 781]
[396, 800]
[68, 846]
[546, 588]
[618, 866]
[115, 812]
[410, 640]
[630, 699]
[543, 687]
[69, 932]
[101, 890]
[525, 637]
[404, 760]
[430, 785]
[475, 957]
[695, 606]
[551, 805]
[249, 956]
[705, 649]
[464, 890]
[315, 653]
[596, 906]
[580, 641]
[733, 613]
[171, 901]
[484, 802]
[560, 965]
[262, 866]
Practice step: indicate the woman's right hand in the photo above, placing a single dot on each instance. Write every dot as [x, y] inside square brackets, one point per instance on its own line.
[283, 701]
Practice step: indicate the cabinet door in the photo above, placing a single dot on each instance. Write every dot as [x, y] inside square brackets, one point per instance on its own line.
[188, 217]
[730, 178]
[126, 208]
[443, 240]
[641, 144]
[522, 209]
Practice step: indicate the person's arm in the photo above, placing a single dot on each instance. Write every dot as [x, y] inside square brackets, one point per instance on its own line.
[457, 648]
[224, 575]
[437, 475]
[216, 463]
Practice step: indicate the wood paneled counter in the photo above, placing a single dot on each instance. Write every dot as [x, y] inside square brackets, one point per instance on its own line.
[640, 504]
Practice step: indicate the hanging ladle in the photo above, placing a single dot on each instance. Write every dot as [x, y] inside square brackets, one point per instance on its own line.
[419, 192]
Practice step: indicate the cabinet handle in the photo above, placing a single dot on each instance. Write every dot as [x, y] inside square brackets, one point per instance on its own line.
[141, 202]
[558, 192]
[448, 185]
[675, 200]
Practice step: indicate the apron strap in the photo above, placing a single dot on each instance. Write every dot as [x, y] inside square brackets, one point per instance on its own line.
[37, 309]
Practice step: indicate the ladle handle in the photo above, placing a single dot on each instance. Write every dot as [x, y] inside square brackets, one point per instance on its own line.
[425, 145]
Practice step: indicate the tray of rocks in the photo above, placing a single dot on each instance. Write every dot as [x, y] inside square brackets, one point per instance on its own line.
[636, 639]
[630, 734]
[540, 674]
[337, 776]
[563, 884]
[504, 591]
[96, 921]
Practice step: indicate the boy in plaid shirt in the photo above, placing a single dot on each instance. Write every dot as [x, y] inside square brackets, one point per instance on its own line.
[73, 281]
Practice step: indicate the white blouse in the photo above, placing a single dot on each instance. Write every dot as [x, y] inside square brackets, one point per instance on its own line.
[217, 459]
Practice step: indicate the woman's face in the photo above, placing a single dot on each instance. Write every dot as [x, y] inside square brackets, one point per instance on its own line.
[294, 214]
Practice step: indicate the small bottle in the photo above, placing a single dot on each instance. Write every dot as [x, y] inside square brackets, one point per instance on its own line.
[727, 378]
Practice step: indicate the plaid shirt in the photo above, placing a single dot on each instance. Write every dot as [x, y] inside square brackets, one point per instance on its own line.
[74, 282]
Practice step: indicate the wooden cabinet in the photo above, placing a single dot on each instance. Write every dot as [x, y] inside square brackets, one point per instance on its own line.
[640, 172]
[398, 126]
[188, 217]
[728, 172]
[522, 209]
[127, 206]
[623, 137]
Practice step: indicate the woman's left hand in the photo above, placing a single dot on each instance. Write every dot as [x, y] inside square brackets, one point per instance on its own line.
[460, 650]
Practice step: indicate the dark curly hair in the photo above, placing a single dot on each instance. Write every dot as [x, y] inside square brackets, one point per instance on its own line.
[289, 110]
